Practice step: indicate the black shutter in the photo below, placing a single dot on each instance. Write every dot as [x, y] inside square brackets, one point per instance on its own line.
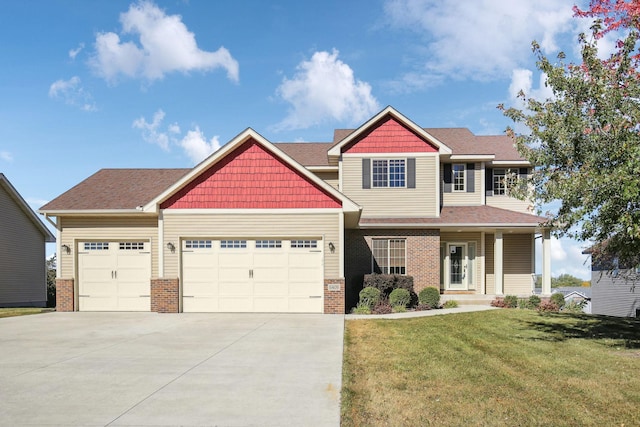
[471, 177]
[411, 172]
[523, 173]
[447, 177]
[366, 173]
[488, 181]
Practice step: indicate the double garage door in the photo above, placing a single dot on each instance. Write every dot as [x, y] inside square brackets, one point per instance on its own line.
[114, 276]
[262, 275]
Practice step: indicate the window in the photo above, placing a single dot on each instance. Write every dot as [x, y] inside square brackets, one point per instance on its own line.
[389, 256]
[389, 173]
[233, 244]
[96, 246]
[266, 244]
[131, 246]
[458, 177]
[304, 244]
[197, 244]
[501, 180]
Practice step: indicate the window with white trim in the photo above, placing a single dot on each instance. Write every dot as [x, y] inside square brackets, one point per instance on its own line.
[458, 171]
[389, 256]
[233, 244]
[266, 244]
[388, 173]
[96, 246]
[502, 178]
[197, 244]
[301, 244]
[131, 246]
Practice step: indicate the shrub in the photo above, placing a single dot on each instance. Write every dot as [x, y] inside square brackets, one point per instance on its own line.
[399, 298]
[573, 307]
[383, 307]
[423, 307]
[558, 299]
[399, 309]
[361, 309]
[498, 302]
[523, 303]
[548, 307]
[450, 304]
[369, 297]
[510, 301]
[534, 301]
[430, 296]
[388, 282]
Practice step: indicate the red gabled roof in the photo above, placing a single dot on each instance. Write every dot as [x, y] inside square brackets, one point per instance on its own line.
[389, 136]
[251, 177]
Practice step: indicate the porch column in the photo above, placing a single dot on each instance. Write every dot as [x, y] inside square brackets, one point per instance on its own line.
[546, 262]
[497, 263]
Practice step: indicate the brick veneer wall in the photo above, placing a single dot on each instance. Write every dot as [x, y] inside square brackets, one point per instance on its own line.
[65, 300]
[423, 258]
[334, 299]
[165, 295]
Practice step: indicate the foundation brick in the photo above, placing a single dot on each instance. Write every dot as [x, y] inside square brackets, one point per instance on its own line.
[65, 298]
[334, 299]
[165, 295]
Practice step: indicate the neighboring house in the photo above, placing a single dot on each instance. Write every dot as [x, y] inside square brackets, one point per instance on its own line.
[23, 276]
[293, 227]
[577, 295]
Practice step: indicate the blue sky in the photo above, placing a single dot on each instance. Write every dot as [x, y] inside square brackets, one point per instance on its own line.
[119, 84]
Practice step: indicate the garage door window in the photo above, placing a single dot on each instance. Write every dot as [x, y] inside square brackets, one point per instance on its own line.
[304, 244]
[197, 244]
[265, 244]
[96, 246]
[233, 244]
[131, 246]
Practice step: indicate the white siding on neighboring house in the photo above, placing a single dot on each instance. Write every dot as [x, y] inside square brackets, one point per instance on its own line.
[22, 257]
[384, 202]
[614, 296]
[179, 226]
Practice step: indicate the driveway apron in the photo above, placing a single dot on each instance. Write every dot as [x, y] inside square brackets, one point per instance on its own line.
[149, 369]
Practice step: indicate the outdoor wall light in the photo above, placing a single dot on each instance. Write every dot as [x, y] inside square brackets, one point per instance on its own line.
[66, 249]
[332, 247]
[171, 247]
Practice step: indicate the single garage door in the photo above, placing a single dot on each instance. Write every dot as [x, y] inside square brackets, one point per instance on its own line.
[114, 276]
[263, 275]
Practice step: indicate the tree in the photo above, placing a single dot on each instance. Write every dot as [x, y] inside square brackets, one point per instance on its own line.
[51, 281]
[585, 141]
[565, 280]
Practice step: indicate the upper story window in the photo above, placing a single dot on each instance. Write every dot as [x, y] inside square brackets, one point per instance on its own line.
[388, 173]
[458, 177]
[500, 177]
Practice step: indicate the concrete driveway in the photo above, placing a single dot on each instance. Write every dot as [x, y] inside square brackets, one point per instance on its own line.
[125, 369]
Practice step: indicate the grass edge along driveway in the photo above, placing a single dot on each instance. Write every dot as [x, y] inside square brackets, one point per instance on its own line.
[501, 367]
[22, 311]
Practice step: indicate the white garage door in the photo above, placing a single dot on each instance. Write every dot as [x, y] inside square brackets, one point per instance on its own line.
[114, 276]
[270, 275]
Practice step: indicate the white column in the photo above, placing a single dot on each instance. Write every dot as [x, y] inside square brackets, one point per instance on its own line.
[546, 262]
[497, 263]
[160, 245]
[483, 260]
[341, 251]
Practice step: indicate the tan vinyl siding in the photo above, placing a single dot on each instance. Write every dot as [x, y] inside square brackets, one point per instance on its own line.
[22, 256]
[510, 203]
[613, 296]
[330, 178]
[381, 202]
[459, 198]
[517, 266]
[488, 264]
[448, 237]
[94, 228]
[253, 226]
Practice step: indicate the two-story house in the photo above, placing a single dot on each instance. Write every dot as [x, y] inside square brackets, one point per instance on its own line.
[293, 227]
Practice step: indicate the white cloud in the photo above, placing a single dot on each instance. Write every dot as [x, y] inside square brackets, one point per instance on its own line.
[74, 52]
[479, 40]
[196, 146]
[324, 88]
[6, 156]
[163, 44]
[566, 258]
[72, 93]
[193, 143]
[522, 80]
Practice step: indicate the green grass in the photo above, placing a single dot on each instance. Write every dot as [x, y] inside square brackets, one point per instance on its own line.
[19, 311]
[503, 367]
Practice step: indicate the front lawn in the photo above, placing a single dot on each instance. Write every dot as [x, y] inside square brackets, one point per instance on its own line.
[502, 367]
[19, 311]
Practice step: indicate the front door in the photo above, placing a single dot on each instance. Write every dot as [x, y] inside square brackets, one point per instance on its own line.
[457, 266]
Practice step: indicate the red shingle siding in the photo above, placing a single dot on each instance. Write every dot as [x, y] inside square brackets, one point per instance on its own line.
[165, 295]
[64, 295]
[334, 299]
[251, 177]
[389, 136]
